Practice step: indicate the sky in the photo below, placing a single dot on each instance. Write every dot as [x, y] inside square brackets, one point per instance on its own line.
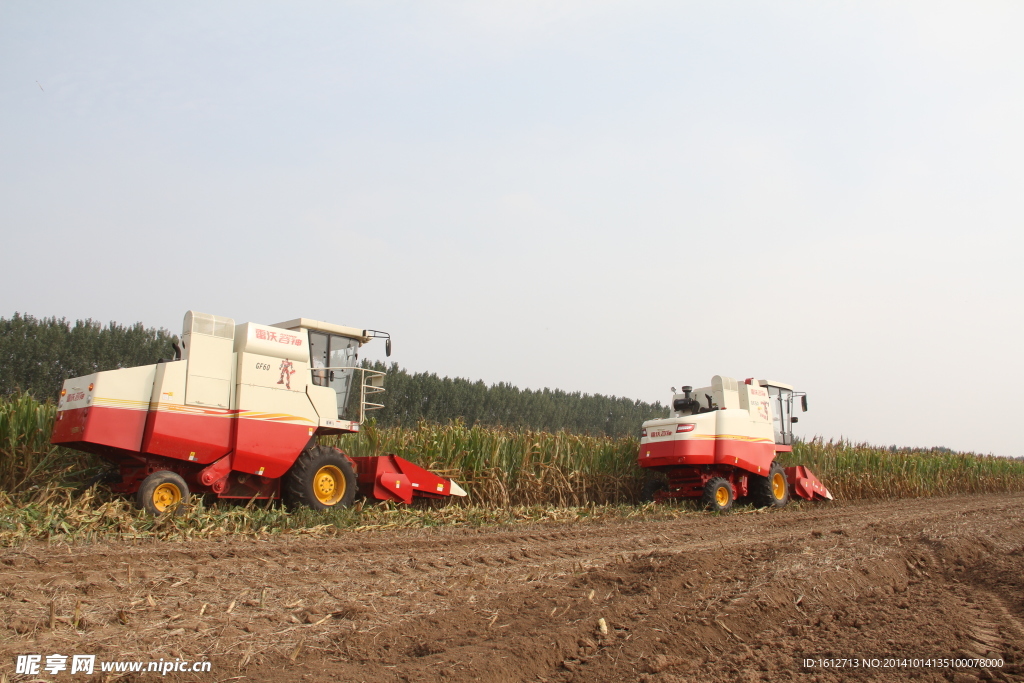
[606, 197]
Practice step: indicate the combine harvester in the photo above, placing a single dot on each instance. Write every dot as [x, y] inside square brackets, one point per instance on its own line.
[237, 415]
[720, 442]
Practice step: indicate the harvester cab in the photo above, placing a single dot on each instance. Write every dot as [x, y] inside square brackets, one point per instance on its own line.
[334, 361]
[720, 443]
[238, 415]
[782, 398]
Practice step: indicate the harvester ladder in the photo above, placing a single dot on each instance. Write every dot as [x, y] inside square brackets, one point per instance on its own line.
[372, 384]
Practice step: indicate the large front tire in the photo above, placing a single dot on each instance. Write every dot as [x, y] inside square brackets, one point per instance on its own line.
[162, 491]
[322, 478]
[771, 491]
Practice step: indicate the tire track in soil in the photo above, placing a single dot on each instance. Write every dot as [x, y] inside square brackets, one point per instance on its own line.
[739, 597]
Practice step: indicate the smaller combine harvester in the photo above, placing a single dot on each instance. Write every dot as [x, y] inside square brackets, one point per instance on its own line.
[237, 415]
[720, 442]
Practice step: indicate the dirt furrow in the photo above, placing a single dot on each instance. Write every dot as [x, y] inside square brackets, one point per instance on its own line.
[741, 597]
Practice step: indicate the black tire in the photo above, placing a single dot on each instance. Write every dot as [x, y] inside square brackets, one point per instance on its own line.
[161, 492]
[771, 491]
[718, 495]
[651, 487]
[322, 478]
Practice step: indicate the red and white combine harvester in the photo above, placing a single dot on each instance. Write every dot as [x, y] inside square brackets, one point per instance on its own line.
[236, 414]
[720, 442]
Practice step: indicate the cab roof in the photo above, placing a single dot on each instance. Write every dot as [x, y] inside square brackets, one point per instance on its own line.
[773, 383]
[320, 326]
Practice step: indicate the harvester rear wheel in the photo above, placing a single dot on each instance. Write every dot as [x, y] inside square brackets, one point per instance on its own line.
[771, 491]
[322, 478]
[651, 488]
[162, 491]
[718, 495]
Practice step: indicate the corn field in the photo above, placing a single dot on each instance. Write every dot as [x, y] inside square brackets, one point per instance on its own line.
[861, 471]
[501, 467]
[26, 456]
[510, 474]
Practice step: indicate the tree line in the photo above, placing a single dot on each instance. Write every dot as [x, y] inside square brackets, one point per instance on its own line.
[38, 354]
[411, 397]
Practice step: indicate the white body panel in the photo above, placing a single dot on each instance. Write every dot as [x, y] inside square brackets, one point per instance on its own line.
[267, 340]
[325, 402]
[280, 405]
[725, 391]
[664, 429]
[207, 345]
[273, 385]
[169, 384]
[744, 412]
[271, 372]
[128, 388]
[77, 393]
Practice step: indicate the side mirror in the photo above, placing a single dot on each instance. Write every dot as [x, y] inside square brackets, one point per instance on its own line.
[803, 402]
[387, 352]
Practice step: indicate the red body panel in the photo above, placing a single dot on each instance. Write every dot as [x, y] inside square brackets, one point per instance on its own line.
[755, 458]
[181, 434]
[113, 427]
[219, 452]
[750, 456]
[268, 444]
[266, 447]
[677, 452]
[69, 425]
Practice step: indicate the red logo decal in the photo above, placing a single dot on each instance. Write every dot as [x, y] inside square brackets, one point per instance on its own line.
[287, 370]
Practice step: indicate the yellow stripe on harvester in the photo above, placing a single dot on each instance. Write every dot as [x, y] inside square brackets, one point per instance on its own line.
[128, 404]
[727, 437]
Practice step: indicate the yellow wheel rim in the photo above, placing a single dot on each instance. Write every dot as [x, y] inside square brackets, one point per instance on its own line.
[165, 496]
[778, 486]
[722, 496]
[329, 485]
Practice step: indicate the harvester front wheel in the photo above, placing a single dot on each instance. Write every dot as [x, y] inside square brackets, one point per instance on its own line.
[162, 491]
[773, 490]
[322, 478]
[718, 495]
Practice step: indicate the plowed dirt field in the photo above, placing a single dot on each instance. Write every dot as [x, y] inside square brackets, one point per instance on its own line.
[742, 597]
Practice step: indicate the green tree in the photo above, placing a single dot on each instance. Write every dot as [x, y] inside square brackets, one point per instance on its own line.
[411, 397]
[38, 354]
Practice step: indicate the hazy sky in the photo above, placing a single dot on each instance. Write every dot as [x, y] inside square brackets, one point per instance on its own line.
[611, 197]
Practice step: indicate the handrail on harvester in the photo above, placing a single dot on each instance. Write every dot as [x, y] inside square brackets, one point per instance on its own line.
[370, 382]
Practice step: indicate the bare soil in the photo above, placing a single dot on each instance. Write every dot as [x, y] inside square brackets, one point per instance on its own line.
[741, 597]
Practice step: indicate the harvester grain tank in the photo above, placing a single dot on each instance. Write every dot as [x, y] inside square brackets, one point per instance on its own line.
[237, 415]
[720, 443]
